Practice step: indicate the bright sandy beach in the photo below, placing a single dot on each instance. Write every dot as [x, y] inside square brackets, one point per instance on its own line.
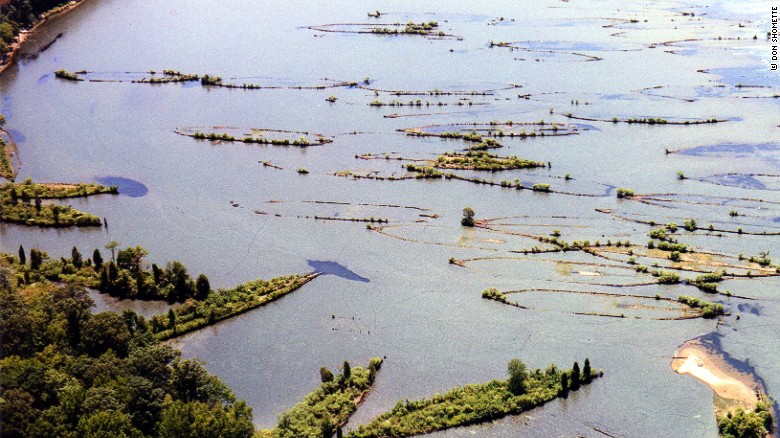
[697, 360]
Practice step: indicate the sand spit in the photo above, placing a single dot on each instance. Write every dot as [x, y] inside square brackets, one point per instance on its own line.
[707, 365]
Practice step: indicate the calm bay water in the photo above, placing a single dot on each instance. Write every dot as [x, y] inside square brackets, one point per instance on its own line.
[207, 204]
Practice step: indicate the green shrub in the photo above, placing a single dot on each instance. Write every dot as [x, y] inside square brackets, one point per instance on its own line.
[672, 247]
[468, 217]
[624, 193]
[658, 233]
[68, 76]
[709, 310]
[327, 406]
[746, 424]
[495, 295]
[210, 80]
[16, 205]
[472, 404]
[666, 277]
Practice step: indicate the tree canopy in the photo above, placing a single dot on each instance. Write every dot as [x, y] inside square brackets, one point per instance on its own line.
[468, 217]
[65, 372]
[517, 376]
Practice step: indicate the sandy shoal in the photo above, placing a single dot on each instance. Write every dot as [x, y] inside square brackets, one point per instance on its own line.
[707, 366]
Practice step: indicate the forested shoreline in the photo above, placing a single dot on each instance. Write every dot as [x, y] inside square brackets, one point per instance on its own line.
[19, 15]
[66, 372]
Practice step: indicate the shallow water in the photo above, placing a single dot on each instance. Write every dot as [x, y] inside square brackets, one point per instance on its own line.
[198, 201]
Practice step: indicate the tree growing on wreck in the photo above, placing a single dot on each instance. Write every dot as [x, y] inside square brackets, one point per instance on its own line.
[468, 217]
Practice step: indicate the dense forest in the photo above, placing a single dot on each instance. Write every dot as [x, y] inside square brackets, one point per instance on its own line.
[66, 372]
[16, 15]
